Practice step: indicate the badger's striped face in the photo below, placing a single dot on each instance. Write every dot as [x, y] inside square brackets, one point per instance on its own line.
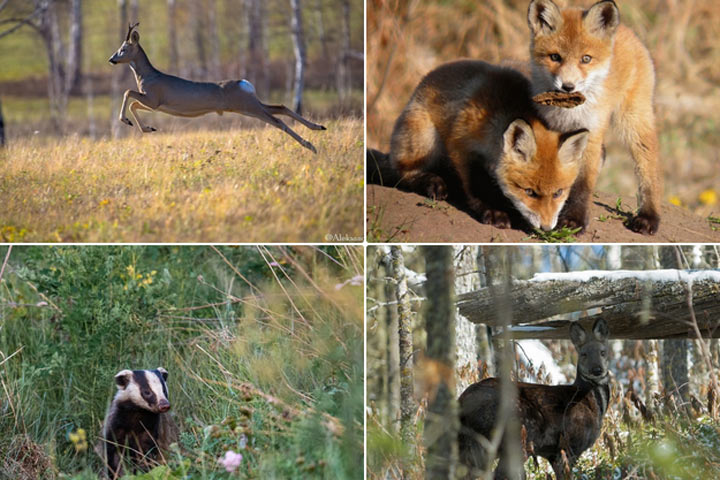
[145, 389]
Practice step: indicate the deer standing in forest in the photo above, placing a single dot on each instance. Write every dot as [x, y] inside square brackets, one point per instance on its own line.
[560, 421]
[185, 98]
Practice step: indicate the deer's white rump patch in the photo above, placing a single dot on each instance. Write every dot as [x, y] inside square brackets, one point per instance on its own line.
[246, 86]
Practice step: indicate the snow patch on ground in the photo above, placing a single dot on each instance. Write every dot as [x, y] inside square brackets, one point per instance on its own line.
[536, 352]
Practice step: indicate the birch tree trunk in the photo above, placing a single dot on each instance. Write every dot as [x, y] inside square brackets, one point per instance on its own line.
[198, 29]
[498, 261]
[393, 345]
[298, 36]
[441, 422]
[320, 23]
[118, 73]
[465, 331]
[483, 335]
[256, 70]
[74, 63]
[214, 40]
[405, 343]
[172, 37]
[674, 361]
[2, 127]
[343, 63]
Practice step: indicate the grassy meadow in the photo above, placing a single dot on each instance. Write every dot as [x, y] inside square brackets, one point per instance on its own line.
[249, 185]
[408, 39]
[264, 349]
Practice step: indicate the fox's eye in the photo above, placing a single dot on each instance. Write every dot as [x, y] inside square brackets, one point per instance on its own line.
[586, 59]
[530, 193]
[558, 193]
[555, 57]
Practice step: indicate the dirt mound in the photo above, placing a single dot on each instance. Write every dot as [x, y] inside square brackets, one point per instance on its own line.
[396, 216]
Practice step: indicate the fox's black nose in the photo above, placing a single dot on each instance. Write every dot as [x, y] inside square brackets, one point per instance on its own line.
[597, 371]
[568, 87]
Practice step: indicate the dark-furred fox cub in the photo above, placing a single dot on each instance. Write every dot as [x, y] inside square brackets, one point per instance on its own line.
[472, 131]
[590, 52]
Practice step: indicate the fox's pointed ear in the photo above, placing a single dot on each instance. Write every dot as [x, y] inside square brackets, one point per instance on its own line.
[601, 330]
[519, 141]
[578, 334]
[602, 19]
[544, 17]
[572, 146]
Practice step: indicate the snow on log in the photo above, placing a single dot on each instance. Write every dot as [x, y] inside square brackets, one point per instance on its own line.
[620, 296]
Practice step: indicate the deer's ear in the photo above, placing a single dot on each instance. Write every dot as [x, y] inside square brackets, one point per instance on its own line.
[134, 37]
[601, 330]
[577, 334]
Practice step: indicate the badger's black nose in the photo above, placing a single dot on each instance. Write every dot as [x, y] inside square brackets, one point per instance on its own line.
[597, 371]
[163, 405]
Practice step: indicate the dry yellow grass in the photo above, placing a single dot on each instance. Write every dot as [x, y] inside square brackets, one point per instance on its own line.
[405, 40]
[249, 185]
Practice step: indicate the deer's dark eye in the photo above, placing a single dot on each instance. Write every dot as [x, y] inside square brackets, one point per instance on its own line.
[555, 57]
[586, 59]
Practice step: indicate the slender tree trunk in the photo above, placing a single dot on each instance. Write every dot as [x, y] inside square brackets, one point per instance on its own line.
[674, 361]
[198, 29]
[405, 343]
[320, 23]
[90, 98]
[2, 127]
[214, 40]
[118, 72]
[441, 422]
[393, 345]
[172, 37]
[343, 63]
[73, 81]
[482, 332]
[298, 36]
[256, 70]
[465, 331]
[498, 261]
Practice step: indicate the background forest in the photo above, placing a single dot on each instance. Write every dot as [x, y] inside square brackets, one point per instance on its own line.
[264, 349]
[662, 422]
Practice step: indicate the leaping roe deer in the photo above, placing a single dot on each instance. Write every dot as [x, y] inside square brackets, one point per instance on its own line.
[556, 418]
[185, 98]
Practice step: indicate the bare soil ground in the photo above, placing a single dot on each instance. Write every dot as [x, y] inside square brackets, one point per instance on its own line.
[396, 216]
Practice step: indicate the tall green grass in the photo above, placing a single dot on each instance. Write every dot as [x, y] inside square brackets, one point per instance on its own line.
[264, 354]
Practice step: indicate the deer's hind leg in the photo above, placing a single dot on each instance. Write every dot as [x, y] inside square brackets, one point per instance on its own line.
[267, 118]
[283, 110]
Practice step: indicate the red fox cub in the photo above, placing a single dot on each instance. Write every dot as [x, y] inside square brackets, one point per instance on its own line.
[589, 52]
[471, 130]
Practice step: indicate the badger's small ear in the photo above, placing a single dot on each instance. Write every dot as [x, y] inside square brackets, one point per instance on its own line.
[123, 378]
[163, 372]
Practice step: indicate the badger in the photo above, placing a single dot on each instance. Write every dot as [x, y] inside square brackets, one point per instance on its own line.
[137, 424]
